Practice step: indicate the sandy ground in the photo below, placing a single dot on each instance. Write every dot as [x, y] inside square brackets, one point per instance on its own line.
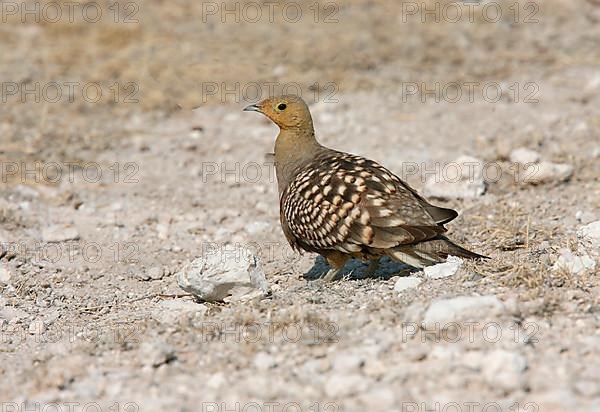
[103, 202]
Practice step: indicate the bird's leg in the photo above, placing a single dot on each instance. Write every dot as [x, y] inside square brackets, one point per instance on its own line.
[331, 274]
[337, 261]
[373, 265]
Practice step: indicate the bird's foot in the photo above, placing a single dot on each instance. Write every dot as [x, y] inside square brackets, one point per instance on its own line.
[331, 275]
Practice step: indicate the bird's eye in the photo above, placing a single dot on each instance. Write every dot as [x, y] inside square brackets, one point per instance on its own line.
[282, 106]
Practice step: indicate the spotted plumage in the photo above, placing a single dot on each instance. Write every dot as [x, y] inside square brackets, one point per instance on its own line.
[342, 205]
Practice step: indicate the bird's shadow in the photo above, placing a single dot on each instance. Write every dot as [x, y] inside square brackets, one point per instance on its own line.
[355, 269]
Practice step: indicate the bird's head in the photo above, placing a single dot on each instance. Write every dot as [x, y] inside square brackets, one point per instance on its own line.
[287, 112]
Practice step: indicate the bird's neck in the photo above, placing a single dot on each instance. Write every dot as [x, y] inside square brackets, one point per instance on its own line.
[294, 149]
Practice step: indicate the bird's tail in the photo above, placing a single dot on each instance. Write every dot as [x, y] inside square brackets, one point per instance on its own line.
[430, 252]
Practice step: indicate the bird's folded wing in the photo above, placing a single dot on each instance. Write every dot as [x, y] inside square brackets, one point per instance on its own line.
[348, 203]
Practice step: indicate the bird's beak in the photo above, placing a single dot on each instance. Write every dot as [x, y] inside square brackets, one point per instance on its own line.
[252, 108]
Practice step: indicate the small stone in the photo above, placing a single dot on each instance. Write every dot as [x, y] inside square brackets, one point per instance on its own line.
[555, 400]
[460, 179]
[179, 311]
[503, 369]
[4, 275]
[263, 361]
[257, 227]
[524, 156]
[37, 327]
[27, 192]
[345, 362]
[587, 388]
[156, 354]
[547, 172]
[407, 282]
[442, 312]
[443, 270]
[584, 217]
[591, 233]
[143, 275]
[156, 273]
[216, 381]
[117, 206]
[279, 70]
[163, 231]
[224, 276]
[572, 263]
[59, 233]
[379, 399]
[343, 385]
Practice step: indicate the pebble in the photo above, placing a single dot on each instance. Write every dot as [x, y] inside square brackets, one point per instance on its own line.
[4, 275]
[461, 179]
[585, 217]
[588, 388]
[547, 172]
[573, 263]
[504, 369]
[179, 311]
[217, 277]
[443, 270]
[345, 362]
[156, 273]
[379, 399]
[257, 227]
[524, 155]
[344, 385]
[444, 311]
[263, 361]
[37, 327]
[156, 353]
[555, 400]
[591, 233]
[163, 231]
[59, 233]
[407, 282]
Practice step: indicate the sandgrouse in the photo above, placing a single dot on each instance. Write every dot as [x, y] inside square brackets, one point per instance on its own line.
[341, 206]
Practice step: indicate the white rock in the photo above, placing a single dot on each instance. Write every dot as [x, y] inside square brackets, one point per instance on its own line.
[343, 385]
[4, 275]
[279, 70]
[442, 312]
[163, 230]
[177, 311]
[27, 192]
[591, 233]
[460, 179]
[156, 273]
[156, 353]
[407, 282]
[346, 361]
[257, 227]
[216, 381]
[574, 264]
[263, 361]
[503, 369]
[585, 217]
[59, 233]
[37, 327]
[546, 172]
[224, 276]
[379, 399]
[444, 270]
[524, 156]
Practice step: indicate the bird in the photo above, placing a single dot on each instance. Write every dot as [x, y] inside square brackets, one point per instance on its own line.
[342, 206]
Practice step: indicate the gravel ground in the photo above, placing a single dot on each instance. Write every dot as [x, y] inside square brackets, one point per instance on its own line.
[103, 203]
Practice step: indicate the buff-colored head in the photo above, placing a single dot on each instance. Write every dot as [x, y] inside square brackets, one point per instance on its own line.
[287, 112]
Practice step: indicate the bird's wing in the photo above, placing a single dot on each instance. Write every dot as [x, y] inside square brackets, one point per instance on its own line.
[345, 202]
